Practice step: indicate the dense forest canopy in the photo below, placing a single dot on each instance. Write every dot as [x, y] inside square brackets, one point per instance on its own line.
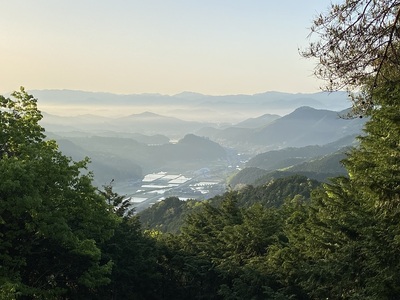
[62, 238]
[52, 220]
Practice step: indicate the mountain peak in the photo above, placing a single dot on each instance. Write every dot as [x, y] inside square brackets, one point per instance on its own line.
[189, 95]
[147, 114]
[308, 111]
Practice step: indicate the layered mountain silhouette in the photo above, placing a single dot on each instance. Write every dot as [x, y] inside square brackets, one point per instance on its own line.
[187, 105]
[127, 159]
[131, 145]
[305, 126]
[146, 123]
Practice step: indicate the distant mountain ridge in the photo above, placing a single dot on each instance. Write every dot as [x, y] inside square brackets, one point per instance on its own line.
[307, 126]
[133, 159]
[142, 140]
[147, 123]
[258, 121]
[66, 96]
[304, 126]
[287, 157]
[187, 105]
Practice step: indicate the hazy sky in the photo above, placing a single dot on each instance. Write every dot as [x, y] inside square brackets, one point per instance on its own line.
[157, 46]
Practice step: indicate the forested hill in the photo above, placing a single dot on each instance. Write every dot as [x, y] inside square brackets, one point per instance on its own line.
[303, 127]
[317, 162]
[290, 238]
[170, 214]
[287, 157]
[62, 238]
[121, 158]
[318, 168]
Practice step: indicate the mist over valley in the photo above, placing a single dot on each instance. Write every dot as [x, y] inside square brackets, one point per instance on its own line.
[208, 142]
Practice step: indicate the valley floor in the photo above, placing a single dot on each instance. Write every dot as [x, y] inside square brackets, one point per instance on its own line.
[200, 184]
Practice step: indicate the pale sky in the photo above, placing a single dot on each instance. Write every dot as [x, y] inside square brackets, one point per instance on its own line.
[214, 47]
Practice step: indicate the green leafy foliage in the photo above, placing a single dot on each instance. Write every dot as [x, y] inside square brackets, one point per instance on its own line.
[135, 273]
[328, 164]
[346, 244]
[289, 238]
[228, 245]
[276, 191]
[316, 162]
[168, 215]
[51, 217]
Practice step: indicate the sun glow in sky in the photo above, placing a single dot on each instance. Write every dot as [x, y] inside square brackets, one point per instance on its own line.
[212, 47]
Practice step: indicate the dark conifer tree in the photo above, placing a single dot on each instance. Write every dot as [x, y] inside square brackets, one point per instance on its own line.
[347, 246]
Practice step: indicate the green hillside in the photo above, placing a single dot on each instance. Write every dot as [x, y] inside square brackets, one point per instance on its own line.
[170, 214]
[131, 157]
